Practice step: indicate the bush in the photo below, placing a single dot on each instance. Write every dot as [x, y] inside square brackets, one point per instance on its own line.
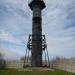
[2, 62]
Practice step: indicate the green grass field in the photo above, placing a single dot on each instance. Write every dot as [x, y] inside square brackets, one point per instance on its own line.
[16, 72]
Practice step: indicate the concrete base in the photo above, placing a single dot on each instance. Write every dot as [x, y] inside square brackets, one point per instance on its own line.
[36, 69]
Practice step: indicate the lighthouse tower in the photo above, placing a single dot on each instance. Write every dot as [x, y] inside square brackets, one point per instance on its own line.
[36, 53]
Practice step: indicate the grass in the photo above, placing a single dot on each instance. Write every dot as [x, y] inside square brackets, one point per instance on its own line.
[16, 72]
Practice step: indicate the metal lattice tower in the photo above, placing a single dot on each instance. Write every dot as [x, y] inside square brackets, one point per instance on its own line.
[45, 56]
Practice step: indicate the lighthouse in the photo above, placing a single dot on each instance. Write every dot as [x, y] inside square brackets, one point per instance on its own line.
[36, 53]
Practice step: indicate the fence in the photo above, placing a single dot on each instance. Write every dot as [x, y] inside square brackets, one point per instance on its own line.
[69, 68]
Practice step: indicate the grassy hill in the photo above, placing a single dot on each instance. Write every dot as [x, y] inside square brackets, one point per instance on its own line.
[16, 72]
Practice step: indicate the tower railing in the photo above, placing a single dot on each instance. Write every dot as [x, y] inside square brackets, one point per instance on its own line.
[34, 0]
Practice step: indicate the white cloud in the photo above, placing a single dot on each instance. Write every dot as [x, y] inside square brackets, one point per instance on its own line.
[56, 17]
[15, 17]
[60, 38]
[9, 54]
[9, 38]
[60, 43]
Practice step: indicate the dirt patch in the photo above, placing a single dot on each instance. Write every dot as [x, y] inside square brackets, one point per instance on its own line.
[36, 69]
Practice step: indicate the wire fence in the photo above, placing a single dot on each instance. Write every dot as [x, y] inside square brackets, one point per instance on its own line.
[69, 68]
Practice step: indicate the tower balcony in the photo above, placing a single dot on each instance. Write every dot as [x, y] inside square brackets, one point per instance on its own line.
[40, 3]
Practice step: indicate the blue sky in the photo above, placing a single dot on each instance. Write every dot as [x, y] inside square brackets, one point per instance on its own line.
[58, 26]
